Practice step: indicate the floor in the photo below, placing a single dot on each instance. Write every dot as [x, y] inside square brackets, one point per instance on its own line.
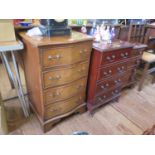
[134, 113]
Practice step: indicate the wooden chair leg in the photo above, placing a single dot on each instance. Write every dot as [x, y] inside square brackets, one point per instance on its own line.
[153, 80]
[144, 74]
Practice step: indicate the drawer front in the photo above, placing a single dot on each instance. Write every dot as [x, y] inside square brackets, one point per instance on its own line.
[68, 55]
[64, 92]
[64, 76]
[117, 55]
[137, 52]
[108, 84]
[63, 107]
[134, 62]
[106, 96]
[112, 70]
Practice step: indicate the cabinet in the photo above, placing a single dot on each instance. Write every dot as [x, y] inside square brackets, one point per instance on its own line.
[113, 67]
[56, 71]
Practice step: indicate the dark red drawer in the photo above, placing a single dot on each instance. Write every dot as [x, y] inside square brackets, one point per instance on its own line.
[116, 55]
[112, 70]
[109, 95]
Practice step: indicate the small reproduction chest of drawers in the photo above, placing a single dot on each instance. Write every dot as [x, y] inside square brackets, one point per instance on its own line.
[56, 71]
[113, 67]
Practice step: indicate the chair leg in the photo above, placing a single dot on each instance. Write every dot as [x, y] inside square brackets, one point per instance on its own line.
[143, 76]
[153, 80]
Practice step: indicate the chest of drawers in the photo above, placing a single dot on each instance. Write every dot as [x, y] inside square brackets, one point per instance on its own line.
[113, 67]
[56, 71]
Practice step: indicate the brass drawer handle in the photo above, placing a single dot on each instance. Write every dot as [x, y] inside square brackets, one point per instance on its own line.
[56, 109]
[102, 98]
[79, 100]
[56, 94]
[54, 57]
[83, 51]
[115, 92]
[124, 55]
[104, 86]
[55, 78]
[81, 70]
[108, 58]
[79, 86]
[113, 56]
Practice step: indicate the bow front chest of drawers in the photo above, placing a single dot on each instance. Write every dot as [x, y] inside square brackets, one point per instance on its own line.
[56, 71]
[113, 67]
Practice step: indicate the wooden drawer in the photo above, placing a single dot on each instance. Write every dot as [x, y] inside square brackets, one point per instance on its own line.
[63, 76]
[108, 84]
[66, 55]
[137, 52]
[108, 95]
[117, 55]
[63, 107]
[118, 68]
[134, 62]
[63, 92]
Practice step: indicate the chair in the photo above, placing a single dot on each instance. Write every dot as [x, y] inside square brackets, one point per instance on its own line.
[136, 35]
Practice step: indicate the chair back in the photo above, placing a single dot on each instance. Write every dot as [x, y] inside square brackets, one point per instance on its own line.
[136, 33]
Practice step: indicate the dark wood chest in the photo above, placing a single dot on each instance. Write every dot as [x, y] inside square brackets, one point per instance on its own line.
[113, 67]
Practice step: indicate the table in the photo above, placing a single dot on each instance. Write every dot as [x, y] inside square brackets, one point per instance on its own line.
[11, 47]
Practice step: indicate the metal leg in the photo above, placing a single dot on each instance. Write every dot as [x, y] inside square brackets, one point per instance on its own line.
[16, 81]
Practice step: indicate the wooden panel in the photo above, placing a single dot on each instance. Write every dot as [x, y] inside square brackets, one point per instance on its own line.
[65, 55]
[59, 108]
[63, 92]
[64, 76]
[33, 76]
[117, 55]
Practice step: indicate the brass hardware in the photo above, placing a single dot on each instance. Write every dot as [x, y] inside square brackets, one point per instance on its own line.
[105, 73]
[110, 71]
[107, 85]
[54, 57]
[113, 56]
[108, 58]
[56, 94]
[103, 87]
[55, 78]
[81, 70]
[79, 86]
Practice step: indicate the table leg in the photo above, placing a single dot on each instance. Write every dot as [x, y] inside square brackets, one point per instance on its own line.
[17, 83]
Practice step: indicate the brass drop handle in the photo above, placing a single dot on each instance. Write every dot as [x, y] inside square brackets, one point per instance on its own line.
[55, 109]
[105, 73]
[54, 78]
[55, 94]
[126, 54]
[101, 98]
[108, 58]
[81, 70]
[110, 71]
[113, 56]
[54, 57]
[123, 67]
[107, 85]
[103, 87]
[80, 98]
[115, 92]
[79, 86]
[83, 51]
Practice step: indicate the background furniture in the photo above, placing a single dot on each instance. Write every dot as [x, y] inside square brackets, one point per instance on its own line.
[113, 67]
[56, 72]
[137, 36]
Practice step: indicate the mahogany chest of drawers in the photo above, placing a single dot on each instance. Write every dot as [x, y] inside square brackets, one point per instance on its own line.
[56, 71]
[113, 67]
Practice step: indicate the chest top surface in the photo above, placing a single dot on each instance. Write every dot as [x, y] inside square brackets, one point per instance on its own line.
[116, 45]
[56, 40]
